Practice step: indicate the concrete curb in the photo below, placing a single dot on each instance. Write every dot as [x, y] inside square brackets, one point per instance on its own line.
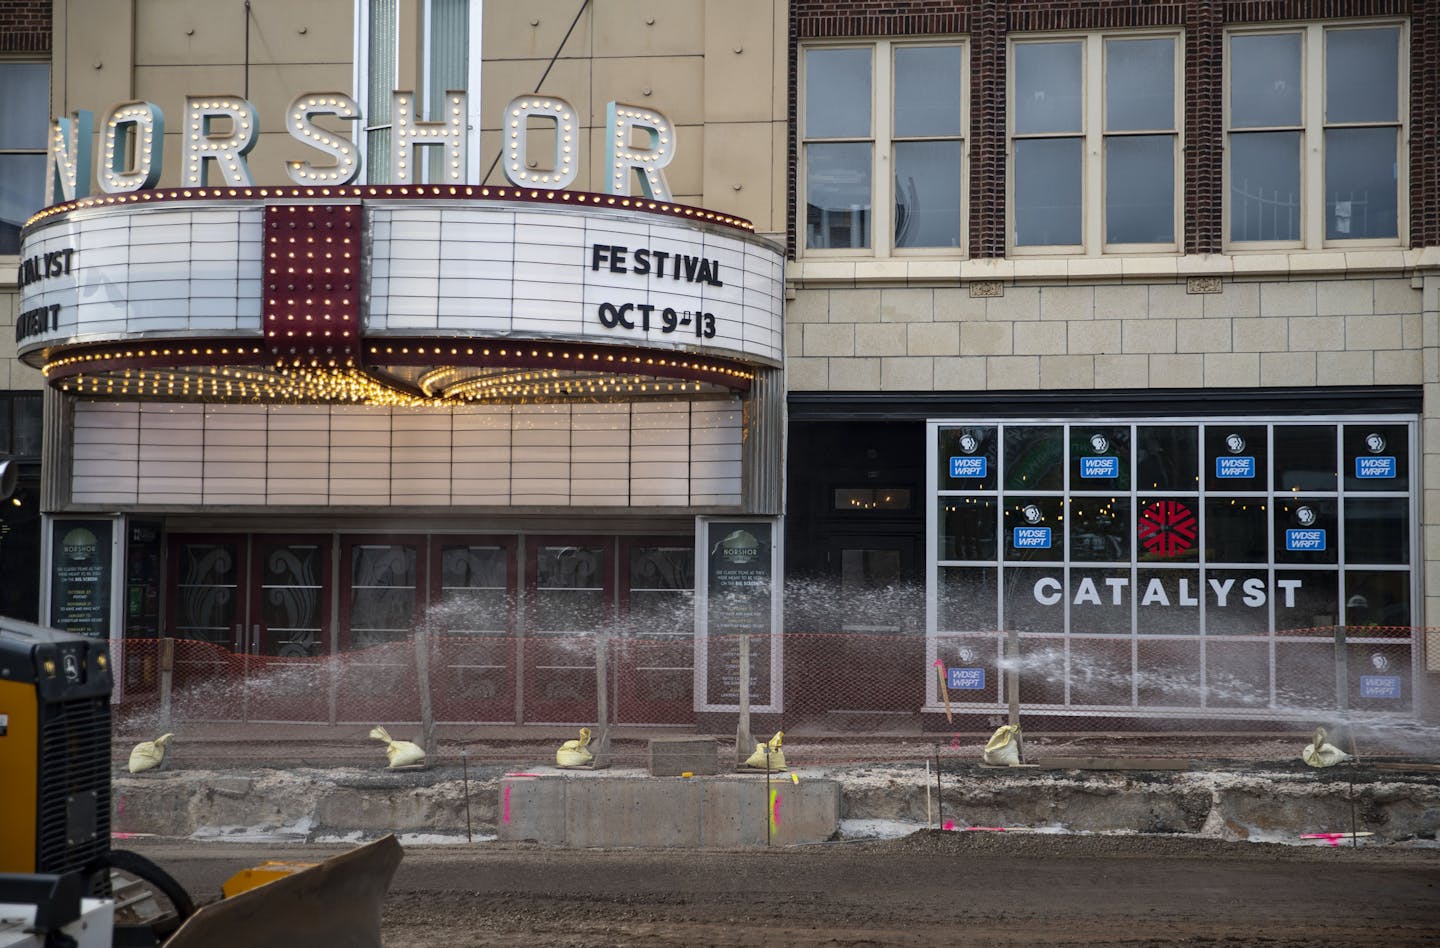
[306, 803]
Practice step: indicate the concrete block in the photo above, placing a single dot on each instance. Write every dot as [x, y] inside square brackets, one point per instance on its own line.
[1094, 337]
[1121, 301]
[1067, 302]
[1202, 335]
[1317, 333]
[928, 339]
[1345, 368]
[1399, 367]
[1372, 332]
[1174, 371]
[1396, 296]
[960, 374]
[1122, 371]
[828, 339]
[1148, 335]
[673, 756]
[879, 339]
[909, 305]
[531, 809]
[736, 811]
[1288, 368]
[1040, 338]
[904, 373]
[1261, 335]
[1288, 299]
[1231, 369]
[852, 375]
[1346, 298]
[610, 813]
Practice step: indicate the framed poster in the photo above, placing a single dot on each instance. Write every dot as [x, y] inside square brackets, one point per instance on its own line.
[737, 594]
[81, 562]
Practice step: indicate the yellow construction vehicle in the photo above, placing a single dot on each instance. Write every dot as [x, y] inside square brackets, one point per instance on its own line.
[60, 882]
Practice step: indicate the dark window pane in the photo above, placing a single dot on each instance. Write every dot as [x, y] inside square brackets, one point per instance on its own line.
[1362, 75]
[967, 528]
[382, 593]
[1099, 529]
[1167, 457]
[1100, 673]
[1304, 458]
[474, 592]
[1168, 530]
[1236, 530]
[1169, 601]
[1047, 191]
[1305, 530]
[1360, 183]
[837, 195]
[967, 458]
[1099, 457]
[1306, 601]
[927, 194]
[1265, 186]
[24, 105]
[837, 93]
[1236, 457]
[1035, 602]
[966, 599]
[1236, 602]
[1139, 84]
[22, 193]
[1265, 86]
[1377, 457]
[206, 591]
[29, 415]
[1034, 457]
[1034, 528]
[1048, 87]
[1100, 601]
[860, 499]
[927, 91]
[1377, 530]
[1380, 599]
[1140, 189]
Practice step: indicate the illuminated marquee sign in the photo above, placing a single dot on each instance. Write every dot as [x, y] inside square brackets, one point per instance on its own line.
[221, 130]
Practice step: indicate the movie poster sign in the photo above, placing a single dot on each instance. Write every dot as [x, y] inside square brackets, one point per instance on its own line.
[739, 593]
[80, 571]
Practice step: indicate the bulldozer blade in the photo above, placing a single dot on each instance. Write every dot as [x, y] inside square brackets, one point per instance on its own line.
[336, 903]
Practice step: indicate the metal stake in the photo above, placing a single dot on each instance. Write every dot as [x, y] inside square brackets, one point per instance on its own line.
[465, 769]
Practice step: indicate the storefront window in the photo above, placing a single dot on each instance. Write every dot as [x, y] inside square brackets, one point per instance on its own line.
[1099, 540]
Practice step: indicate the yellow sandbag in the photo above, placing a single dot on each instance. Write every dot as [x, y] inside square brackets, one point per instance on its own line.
[774, 759]
[1320, 754]
[148, 755]
[400, 753]
[574, 753]
[1004, 747]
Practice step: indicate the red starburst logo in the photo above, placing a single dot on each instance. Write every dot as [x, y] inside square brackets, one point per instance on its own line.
[1168, 528]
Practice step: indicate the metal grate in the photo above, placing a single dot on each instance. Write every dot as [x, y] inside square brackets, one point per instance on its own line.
[74, 791]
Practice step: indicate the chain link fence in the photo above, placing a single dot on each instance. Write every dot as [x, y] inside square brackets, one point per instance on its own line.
[846, 698]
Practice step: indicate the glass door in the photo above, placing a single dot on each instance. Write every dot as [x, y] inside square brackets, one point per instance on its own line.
[653, 664]
[381, 602]
[570, 595]
[288, 638]
[472, 618]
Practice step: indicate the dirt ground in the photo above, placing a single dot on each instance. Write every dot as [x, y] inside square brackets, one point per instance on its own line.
[930, 888]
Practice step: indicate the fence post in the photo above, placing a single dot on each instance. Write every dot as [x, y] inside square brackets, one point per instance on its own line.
[1342, 677]
[743, 739]
[1012, 682]
[167, 676]
[422, 675]
[602, 700]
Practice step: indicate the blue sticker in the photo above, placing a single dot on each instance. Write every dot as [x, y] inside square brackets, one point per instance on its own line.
[1235, 467]
[1032, 538]
[1375, 467]
[1379, 686]
[1099, 467]
[1305, 541]
[968, 467]
[965, 679]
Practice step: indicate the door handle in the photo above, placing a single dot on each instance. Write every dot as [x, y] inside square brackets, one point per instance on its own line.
[240, 638]
[255, 639]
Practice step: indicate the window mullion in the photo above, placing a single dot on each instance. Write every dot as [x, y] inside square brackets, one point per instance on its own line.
[882, 198]
[1312, 139]
[1092, 123]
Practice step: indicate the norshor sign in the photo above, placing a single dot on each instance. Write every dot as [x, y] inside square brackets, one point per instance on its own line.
[221, 130]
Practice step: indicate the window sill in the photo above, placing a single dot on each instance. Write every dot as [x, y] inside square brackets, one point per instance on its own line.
[1148, 268]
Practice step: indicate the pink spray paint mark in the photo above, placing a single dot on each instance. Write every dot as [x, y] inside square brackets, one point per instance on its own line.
[949, 825]
[955, 742]
[506, 817]
[1332, 838]
[775, 809]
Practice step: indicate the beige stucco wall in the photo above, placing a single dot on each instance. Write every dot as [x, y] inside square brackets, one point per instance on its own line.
[715, 68]
[1287, 330]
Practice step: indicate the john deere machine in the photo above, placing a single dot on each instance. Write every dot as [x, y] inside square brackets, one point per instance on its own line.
[62, 886]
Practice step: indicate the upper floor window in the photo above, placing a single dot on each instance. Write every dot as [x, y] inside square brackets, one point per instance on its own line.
[1094, 143]
[1314, 119]
[884, 147]
[24, 127]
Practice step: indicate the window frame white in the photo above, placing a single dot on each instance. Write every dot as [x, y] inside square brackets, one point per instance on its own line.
[1312, 128]
[882, 140]
[1094, 136]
